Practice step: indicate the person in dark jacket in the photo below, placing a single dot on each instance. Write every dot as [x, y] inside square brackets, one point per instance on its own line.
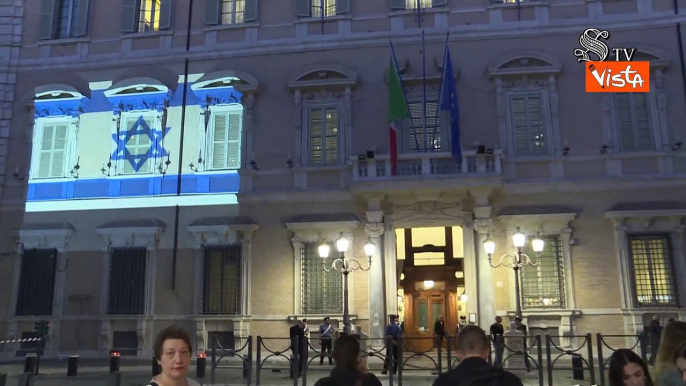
[654, 331]
[472, 351]
[297, 332]
[497, 336]
[395, 332]
[349, 370]
[439, 331]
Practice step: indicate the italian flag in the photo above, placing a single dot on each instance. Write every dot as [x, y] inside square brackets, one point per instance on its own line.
[397, 110]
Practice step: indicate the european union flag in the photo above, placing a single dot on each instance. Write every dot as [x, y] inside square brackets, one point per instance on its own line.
[449, 103]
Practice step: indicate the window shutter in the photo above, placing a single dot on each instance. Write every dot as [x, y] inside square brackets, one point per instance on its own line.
[439, 3]
[234, 141]
[303, 8]
[59, 151]
[82, 18]
[166, 14]
[250, 12]
[220, 141]
[397, 4]
[45, 160]
[537, 135]
[212, 12]
[48, 18]
[129, 15]
[342, 7]
[625, 130]
[316, 145]
[332, 131]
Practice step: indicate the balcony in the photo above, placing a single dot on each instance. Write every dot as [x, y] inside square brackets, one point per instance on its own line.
[427, 165]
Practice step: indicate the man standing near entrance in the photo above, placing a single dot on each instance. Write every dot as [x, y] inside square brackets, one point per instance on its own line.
[497, 331]
[326, 329]
[393, 330]
[522, 327]
[439, 331]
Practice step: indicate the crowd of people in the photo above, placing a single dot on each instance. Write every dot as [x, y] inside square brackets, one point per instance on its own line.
[173, 352]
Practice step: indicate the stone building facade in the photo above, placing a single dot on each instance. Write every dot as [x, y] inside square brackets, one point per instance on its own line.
[175, 172]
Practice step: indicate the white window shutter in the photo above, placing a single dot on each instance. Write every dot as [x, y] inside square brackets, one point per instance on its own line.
[82, 18]
[45, 157]
[303, 8]
[220, 141]
[59, 151]
[234, 141]
[129, 15]
[397, 4]
[342, 7]
[48, 18]
[439, 3]
[166, 11]
[250, 12]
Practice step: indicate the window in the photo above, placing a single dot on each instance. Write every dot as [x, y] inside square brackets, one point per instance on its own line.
[543, 286]
[63, 19]
[222, 294]
[224, 139]
[36, 282]
[414, 4]
[52, 139]
[127, 280]
[321, 8]
[146, 15]
[528, 127]
[231, 11]
[322, 292]
[633, 122]
[136, 143]
[422, 135]
[653, 273]
[324, 135]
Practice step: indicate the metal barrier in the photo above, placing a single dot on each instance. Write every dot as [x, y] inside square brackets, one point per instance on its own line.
[602, 363]
[246, 359]
[524, 351]
[272, 353]
[550, 345]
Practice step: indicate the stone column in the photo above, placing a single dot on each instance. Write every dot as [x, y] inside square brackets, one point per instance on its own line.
[486, 295]
[377, 313]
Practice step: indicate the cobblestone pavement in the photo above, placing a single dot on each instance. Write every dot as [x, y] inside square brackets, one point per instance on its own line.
[94, 372]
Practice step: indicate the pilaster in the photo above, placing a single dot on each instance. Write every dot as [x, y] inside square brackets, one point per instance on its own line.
[486, 294]
[377, 315]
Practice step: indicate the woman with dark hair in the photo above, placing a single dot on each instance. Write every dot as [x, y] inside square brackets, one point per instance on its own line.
[628, 369]
[348, 370]
[173, 353]
[680, 361]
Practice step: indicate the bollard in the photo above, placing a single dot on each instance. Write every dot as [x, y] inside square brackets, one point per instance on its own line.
[115, 356]
[3, 379]
[30, 363]
[155, 367]
[114, 379]
[73, 365]
[201, 364]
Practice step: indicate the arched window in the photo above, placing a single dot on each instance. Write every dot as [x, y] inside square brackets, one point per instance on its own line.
[55, 150]
[139, 126]
[221, 96]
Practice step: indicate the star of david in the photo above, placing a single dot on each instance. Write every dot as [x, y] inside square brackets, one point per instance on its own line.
[140, 128]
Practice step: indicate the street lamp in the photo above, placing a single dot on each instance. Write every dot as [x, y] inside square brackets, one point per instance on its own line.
[346, 265]
[517, 261]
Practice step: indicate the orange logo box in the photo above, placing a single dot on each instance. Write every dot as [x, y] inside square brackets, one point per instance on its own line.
[617, 76]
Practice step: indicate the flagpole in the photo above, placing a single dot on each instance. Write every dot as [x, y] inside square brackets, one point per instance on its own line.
[402, 85]
[424, 133]
[440, 96]
[419, 15]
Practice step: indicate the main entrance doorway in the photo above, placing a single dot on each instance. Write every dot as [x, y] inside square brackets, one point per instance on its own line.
[431, 273]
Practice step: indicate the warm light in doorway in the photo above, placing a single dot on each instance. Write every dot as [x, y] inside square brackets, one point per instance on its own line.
[428, 284]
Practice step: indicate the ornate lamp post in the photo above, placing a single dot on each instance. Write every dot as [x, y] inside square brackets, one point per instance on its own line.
[346, 265]
[517, 261]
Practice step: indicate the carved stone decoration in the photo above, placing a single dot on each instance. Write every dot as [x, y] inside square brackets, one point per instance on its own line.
[324, 95]
[374, 229]
[429, 213]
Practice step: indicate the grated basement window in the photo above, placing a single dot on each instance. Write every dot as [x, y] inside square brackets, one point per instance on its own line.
[222, 294]
[127, 280]
[36, 282]
[322, 292]
[652, 271]
[544, 286]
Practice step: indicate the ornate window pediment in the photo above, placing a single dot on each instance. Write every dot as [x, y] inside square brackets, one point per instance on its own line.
[58, 100]
[527, 99]
[224, 87]
[139, 233]
[323, 114]
[138, 94]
